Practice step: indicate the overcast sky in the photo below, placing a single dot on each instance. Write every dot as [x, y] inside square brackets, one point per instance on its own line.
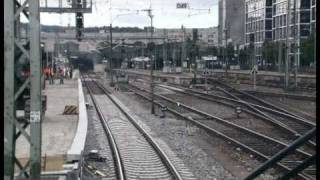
[165, 14]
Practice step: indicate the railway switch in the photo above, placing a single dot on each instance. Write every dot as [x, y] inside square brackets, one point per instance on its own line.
[238, 111]
[163, 111]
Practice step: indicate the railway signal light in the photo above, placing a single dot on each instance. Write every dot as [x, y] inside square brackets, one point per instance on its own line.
[79, 26]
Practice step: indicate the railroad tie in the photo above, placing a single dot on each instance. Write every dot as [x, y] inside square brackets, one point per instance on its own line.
[70, 110]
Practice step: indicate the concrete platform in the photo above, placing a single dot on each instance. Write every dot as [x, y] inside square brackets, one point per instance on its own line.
[58, 130]
[74, 152]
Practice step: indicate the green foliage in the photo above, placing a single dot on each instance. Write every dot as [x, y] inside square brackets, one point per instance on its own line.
[307, 51]
[230, 51]
[192, 49]
[244, 56]
[214, 51]
[151, 46]
[209, 51]
[270, 52]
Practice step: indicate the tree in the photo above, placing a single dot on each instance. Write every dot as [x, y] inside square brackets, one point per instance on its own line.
[214, 51]
[243, 57]
[209, 51]
[307, 51]
[270, 52]
[230, 53]
[192, 49]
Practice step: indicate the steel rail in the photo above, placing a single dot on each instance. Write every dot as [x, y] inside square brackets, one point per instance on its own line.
[265, 117]
[295, 131]
[116, 153]
[165, 159]
[241, 128]
[299, 120]
[201, 95]
[260, 100]
[224, 136]
[280, 124]
[260, 115]
[285, 95]
[281, 113]
[309, 89]
[210, 96]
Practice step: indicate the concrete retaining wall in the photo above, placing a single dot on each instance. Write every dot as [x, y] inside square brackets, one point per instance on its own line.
[78, 143]
[264, 79]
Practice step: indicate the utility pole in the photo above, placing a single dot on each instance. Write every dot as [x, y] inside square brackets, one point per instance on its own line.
[155, 56]
[287, 46]
[315, 48]
[174, 55]
[164, 50]
[253, 57]
[122, 50]
[279, 55]
[225, 52]
[110, 59]
[194, 54]
[47, 58]
[183, 58]
[152, 64]
[142, 50]
[295, 44]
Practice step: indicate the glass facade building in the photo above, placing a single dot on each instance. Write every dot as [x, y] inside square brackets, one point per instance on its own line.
[302, 20]
[313, 15]
[258, 23]
[267, 20]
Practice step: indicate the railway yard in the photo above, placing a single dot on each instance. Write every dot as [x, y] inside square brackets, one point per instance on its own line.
[160, 90]
[208, 131]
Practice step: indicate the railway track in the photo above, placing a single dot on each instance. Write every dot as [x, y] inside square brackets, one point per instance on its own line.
[290, 125]
[258, 144]
[136, 155]
[302, 87]
[282, 95]
[289, 121]
[279, 117]
[231, 91]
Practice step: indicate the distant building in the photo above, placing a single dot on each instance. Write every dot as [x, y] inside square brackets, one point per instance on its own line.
[206, 36]
[231, 22]
[303, 22]
[303, 19]
[209, 36]
[267, 20]
[313, 15]
[176, 34]
[258, 23]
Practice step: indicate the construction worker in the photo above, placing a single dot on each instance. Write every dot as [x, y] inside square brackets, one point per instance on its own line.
[61, 73]
[71, 72]
[51, 78]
